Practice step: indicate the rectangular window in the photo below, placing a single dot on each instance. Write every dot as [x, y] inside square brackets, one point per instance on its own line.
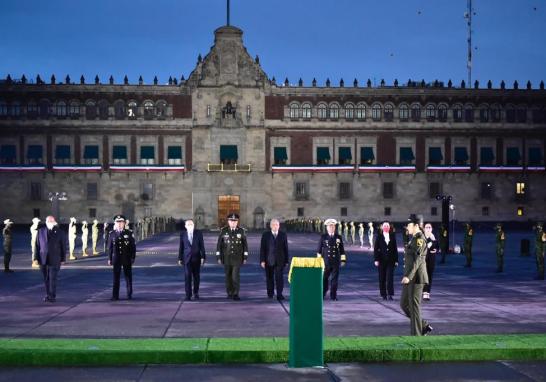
[416, 113]
[487, 190]
[349, 113]
[457, 114]
[510, 115]
[442, 114]
[388, 190]
[280, 157]
[345, 156]
[92, 213]
[148, 191]
[174, 155]
[208, 111]
[35, 191]
[8, 154]
[520, 188]
[387, 211]
[406, 156]
[301, 191]
[360, 113]
[343, 211]
[148, 211]
[435, 156]
[495, 114]
[521, 115]
[389, 113]
[119, 154]
[535, 156]
[461, 156]
[344, 191]
[367, 156]
[486, 156]
[36, 212]
[469, 115]
[433, 211]
[92, 191]
[228, 154]
[520, 211]
[403, 113]
[323, 155]
[334, 113]
[91, 154]
[62, 154]
[485, 211]
[513, 157]
[434, 189]
[35, 154]
[484, 115]
[147, 154]
[301, 212]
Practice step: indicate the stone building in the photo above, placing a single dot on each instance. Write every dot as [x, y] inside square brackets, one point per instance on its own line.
[229, 138]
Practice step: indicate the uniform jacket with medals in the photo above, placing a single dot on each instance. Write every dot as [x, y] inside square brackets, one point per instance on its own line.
[232, 247]
[121, 247]
[331, 250]
[415, 253]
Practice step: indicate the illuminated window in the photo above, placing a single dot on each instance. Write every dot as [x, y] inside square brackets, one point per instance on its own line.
[520, 188]
[520, 211]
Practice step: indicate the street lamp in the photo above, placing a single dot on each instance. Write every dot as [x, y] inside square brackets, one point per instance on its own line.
[54, 198]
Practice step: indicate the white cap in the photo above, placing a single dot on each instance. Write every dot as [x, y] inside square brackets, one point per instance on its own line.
[330, 221]
[73, 219]
[95, 221]
[7, 221]
[36, 220]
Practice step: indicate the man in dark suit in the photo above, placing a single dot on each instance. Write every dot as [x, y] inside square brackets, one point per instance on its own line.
[191, 255]
[386, 259]
[415, 278]
[121, 251]
[50, 254]
[331, 249]
[273, 258]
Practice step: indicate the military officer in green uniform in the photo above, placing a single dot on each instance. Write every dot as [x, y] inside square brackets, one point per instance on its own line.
[415, 278]
[444, 245]
[540, 239]
[468, 236]
[500, 247]
[232, 252]
[6, 232]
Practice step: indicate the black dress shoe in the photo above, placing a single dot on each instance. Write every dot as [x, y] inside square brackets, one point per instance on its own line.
[333, 298]
[280, 298]
[52, 300]
[130, 297]
[230, 297]
[269, 296]
[539, 277]
[427, 329]
[114, 298]
[187, 298]
[390, 298]
[45, 299]
[196, 297]
[236, 297]
[384, 297]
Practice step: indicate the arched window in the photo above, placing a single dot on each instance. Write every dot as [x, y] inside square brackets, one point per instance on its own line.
[442, 113]
[306, 111]
[457, 113]
[60, 109]
[119, 110]
[376, 112]
[32, 110]
[322, 111]
[484, 113]
[469, 113]
[294, 111]
[45, 108]
[361, 112]
[74, 109]
[3, 108]
[161, 109]
[430, 113]
[90, 110]
[149, 110]
[349, 111]
[104, 113]
[416, 112]
[495, 113]
[132, 110]
[389, 112]
[334, 111]
[521, 113]
[403, 112]
[15, 109]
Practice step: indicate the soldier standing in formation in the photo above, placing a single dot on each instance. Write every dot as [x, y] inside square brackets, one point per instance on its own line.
[370, 235]
[444, 245]
[331, 249]
[33, 236]
[500, 247]
[361, 234]
[72, 238]
[468, 236]
[85, 238]
[540, 239]
[95, 236]
[415, 277]
[232, 252]
[353, 232]
[339, 228]
[121, 253]
[105, 233]
[6, 232]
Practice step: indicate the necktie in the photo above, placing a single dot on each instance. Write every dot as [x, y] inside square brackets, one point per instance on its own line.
[275, 235]
[190, 237]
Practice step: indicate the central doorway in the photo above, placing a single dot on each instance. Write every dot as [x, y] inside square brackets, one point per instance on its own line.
[226, 205]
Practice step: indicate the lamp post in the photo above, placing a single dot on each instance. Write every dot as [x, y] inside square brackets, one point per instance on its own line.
[54, 198]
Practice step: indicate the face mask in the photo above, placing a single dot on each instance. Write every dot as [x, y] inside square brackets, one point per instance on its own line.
[50, 225]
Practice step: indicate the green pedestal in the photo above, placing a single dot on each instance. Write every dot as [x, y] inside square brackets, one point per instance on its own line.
[306, 329]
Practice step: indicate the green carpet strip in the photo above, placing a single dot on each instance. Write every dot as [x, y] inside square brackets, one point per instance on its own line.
[101, 352]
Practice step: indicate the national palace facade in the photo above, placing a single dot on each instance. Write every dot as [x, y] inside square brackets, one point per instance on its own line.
[228, 138]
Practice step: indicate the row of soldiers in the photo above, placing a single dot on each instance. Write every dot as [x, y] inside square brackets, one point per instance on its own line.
[149, 226]
[347, 229]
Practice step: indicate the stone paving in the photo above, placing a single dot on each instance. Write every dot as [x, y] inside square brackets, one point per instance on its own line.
[464, 301]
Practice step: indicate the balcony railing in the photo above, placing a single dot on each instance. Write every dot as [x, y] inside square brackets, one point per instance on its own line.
[221, 167]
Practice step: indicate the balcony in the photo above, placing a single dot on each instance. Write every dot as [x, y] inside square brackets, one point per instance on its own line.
[221, 167]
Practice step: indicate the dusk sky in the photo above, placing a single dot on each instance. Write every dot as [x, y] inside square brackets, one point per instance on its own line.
[417, 39]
